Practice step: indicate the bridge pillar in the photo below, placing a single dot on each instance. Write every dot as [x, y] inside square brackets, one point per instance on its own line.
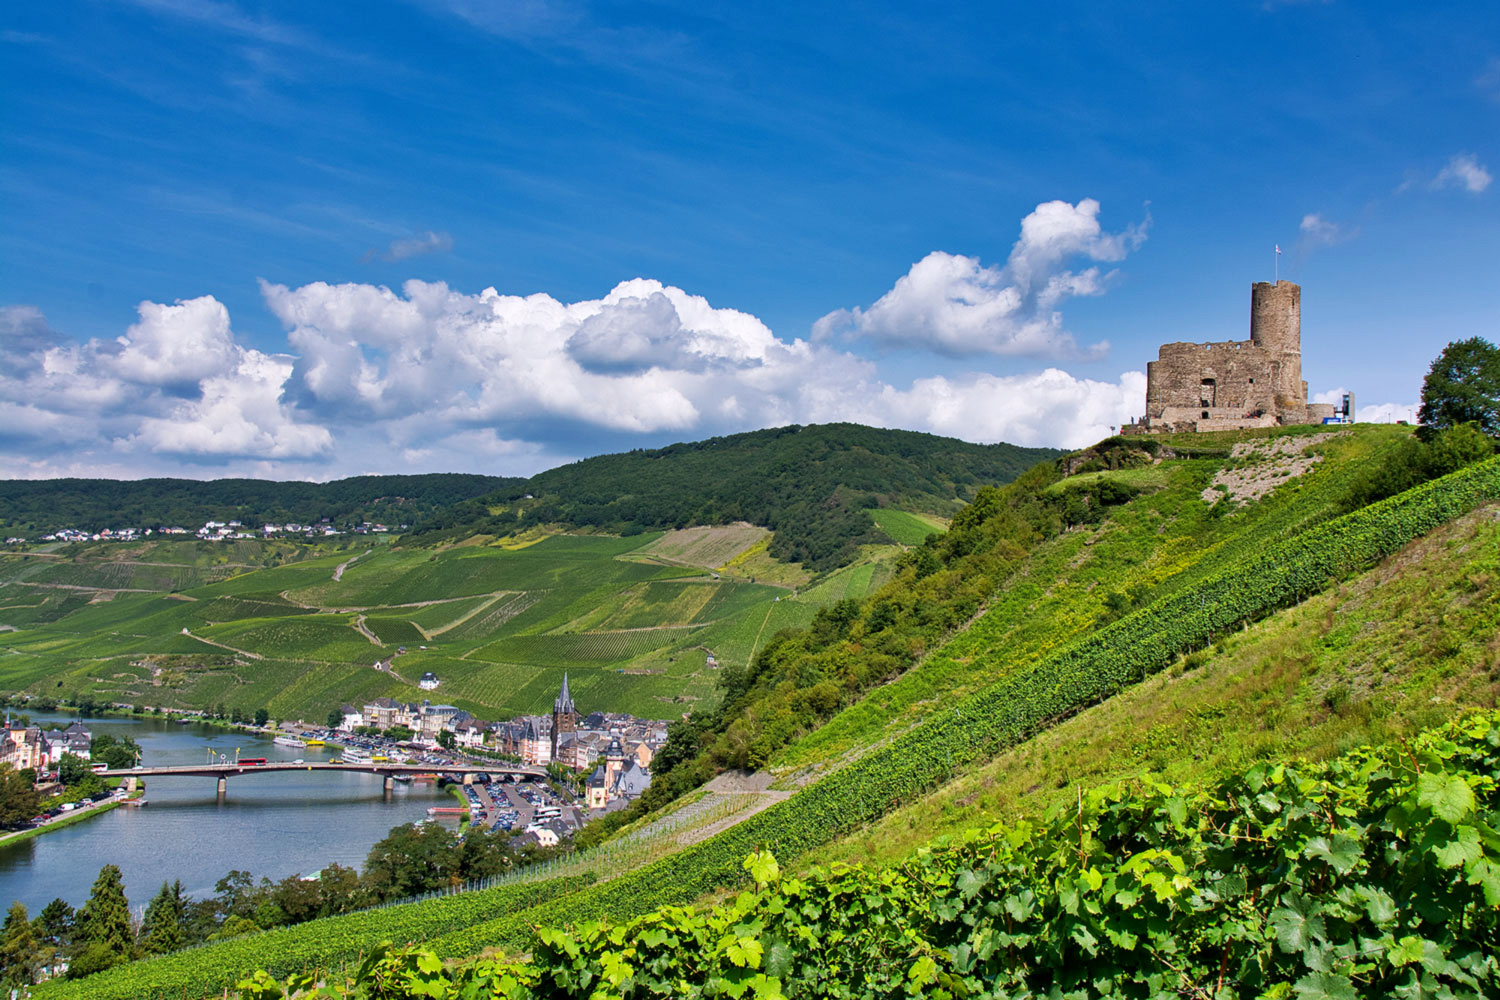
[390, 784]
[468, 777]
[130, 784]
[223, 785]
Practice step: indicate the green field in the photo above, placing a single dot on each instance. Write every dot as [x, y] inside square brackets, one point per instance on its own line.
[905, 528]
[499, 625]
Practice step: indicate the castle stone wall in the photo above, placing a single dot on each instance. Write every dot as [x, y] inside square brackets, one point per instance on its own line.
[1227, 385]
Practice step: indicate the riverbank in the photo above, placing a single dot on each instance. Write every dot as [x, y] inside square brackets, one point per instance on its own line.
[457, 791]
[68, 819]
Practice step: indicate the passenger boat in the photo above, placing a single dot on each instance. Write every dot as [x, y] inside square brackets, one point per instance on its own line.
[288, 741]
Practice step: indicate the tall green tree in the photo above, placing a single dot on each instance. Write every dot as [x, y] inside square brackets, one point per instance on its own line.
[18, 797]
[116, 751]
[104, 926]
[161, 930]
[262, 716]
[56, 923]
[21, 953]
[73, 769]
[335, 718]
[1463, 387]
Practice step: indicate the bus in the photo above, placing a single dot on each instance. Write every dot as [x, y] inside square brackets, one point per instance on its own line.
[250, 761]
[98, 766]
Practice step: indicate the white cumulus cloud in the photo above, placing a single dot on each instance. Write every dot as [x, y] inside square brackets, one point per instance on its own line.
[429, 378]
[955, 305]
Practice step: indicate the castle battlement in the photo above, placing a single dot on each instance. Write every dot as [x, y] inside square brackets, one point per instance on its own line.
[1233, 384]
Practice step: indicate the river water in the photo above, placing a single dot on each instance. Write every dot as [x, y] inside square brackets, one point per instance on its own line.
[268, 824]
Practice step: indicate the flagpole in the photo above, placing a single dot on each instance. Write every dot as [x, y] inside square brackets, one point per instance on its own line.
[1276, 263]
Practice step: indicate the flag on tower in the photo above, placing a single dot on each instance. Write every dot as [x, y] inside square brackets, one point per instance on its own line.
[1278, 249]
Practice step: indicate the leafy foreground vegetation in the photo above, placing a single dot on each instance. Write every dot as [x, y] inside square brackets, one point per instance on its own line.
[1001, 715]
[809, 485]
[1375, 875]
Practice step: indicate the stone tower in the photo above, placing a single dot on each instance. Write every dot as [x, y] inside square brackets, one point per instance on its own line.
[1276, 327]
[1235, 384]
[564, 717]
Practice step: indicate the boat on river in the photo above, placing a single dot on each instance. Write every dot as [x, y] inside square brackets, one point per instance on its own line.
[289, 741]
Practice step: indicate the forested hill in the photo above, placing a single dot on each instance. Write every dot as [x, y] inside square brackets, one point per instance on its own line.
[811, 485]
[35, 506]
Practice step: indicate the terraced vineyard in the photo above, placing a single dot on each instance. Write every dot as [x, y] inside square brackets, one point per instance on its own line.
[497, 623]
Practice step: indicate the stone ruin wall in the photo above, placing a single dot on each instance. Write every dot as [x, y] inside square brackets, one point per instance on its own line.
[1234, 384]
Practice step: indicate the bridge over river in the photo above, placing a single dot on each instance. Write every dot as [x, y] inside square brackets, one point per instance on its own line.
[391, 771]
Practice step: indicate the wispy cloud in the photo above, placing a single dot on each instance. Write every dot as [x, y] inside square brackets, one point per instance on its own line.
[415, 246]
[1318, 231]
[1463, 171]
[1488, 81]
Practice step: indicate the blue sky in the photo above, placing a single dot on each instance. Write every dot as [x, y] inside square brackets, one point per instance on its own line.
[309, 240]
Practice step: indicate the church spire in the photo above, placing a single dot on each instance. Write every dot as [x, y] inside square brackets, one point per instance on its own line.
[564, 702]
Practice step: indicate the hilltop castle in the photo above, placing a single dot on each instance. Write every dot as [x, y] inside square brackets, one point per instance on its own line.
[1235, 384]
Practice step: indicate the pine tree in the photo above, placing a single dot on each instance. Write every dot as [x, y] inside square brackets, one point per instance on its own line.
[19, 948]
[55, 923]
[162, 929]
[104, 925]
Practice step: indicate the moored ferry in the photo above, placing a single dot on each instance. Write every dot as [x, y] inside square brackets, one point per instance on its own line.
[354, 755]
[288, 741]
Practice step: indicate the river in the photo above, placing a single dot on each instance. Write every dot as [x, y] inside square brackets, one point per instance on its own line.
[268, 824]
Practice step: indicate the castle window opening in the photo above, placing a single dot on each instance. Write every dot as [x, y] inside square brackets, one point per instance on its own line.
[1205, 414]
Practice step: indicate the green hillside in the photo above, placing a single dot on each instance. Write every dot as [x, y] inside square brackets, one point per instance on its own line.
[1024, 646]
[810, 485]
[199, 625]
[35, 507]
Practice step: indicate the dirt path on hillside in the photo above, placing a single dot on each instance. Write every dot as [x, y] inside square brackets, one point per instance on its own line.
[364, 630]
[88, 590]
[338, 571]
[242, 652]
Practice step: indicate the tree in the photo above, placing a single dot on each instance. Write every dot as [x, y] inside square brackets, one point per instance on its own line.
[119, 752]
[21, 954]
[335, 718]
[399, 733]
[18, 797]
[446, 739]
[1463, 387]
[73, 769]
[104, 926]
[161, 930]
[55, 923]
[261, 716]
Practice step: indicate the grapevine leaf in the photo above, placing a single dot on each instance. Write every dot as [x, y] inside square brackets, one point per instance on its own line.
[1325, 986]
[1341, 853]
[1448, 795]
[1462, 849]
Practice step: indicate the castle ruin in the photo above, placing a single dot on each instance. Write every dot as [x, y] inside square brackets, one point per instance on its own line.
[1235, 384]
